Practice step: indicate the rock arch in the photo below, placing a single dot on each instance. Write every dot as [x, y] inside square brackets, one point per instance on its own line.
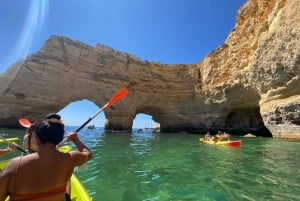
[256, 67]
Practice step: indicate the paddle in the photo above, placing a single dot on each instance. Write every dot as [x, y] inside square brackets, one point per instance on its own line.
[25, 123]
[19, 148]
[117, 96]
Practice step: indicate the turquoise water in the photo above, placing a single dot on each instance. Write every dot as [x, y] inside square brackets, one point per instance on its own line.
[165, 167]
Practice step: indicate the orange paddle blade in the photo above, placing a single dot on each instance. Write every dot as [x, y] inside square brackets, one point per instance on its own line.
[120, 94]
[25, 123]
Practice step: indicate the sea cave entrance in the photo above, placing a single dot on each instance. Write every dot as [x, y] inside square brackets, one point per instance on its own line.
[144, 123]
[77, 112]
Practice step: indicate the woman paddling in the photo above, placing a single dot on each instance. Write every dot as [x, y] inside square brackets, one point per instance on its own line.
[30, 143]
[43, 175]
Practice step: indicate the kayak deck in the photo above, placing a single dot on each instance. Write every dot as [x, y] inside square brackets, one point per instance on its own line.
[78, 192]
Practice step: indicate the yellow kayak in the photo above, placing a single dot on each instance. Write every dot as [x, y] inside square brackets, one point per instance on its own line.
[14, 139]
[3, 164]
[78, 192]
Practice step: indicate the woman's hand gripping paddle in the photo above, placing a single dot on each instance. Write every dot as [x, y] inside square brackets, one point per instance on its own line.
[19, 148]
[119, 95]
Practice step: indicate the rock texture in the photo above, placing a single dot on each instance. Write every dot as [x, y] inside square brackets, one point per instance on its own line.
[249, 84]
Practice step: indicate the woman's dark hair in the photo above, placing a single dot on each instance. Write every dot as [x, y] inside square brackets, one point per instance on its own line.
[49, 132]
[30, 129]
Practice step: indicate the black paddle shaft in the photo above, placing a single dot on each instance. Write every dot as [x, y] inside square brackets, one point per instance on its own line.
[22, 150]
[83, 125]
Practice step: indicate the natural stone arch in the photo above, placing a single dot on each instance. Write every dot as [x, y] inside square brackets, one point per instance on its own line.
[257, 66]
[123, 120]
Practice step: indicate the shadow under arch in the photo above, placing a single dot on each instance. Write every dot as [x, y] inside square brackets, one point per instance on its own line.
[246, 120]
[77, 112]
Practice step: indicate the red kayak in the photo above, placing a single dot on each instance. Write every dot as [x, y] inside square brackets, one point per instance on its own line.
[233, 143]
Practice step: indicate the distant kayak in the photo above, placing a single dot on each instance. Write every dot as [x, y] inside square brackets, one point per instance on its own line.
[8, 140]
[233, 143]
[91, 127]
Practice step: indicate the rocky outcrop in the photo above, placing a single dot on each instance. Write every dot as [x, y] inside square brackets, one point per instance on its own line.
[250, 84]
[258, 66]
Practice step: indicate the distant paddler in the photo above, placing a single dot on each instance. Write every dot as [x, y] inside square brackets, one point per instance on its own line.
[207, 136]
[219, 137]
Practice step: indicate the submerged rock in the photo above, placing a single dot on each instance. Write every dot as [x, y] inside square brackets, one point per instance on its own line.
[249, 135]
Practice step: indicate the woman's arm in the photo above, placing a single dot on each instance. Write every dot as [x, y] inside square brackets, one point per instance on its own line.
[25, 141]
[10, 147]
[5, 177]
[4, 151]
[3, 184]
[83, 154]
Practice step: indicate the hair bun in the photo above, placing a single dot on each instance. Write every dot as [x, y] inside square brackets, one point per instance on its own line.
[53, 116]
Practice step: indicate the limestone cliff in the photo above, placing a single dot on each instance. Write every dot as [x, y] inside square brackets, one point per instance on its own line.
[249, 84]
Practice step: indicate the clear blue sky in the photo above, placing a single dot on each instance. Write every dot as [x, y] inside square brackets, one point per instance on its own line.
[167, 31]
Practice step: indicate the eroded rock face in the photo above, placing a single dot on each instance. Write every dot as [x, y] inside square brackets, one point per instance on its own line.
[249, 84]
